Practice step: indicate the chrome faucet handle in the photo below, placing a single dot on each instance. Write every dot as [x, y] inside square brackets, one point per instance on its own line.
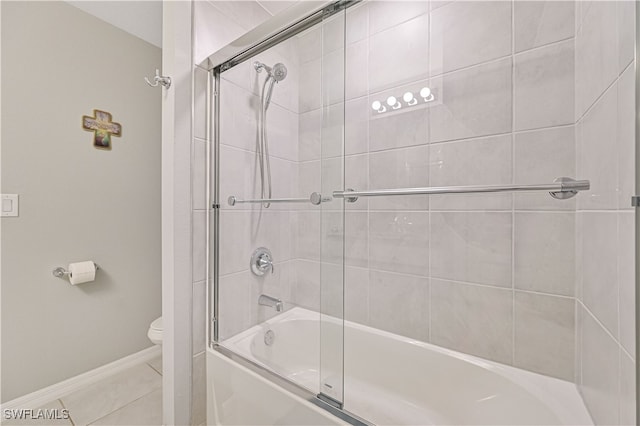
[265, 262]
[261, 261]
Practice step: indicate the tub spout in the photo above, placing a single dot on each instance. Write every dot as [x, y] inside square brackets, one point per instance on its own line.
[272, 302]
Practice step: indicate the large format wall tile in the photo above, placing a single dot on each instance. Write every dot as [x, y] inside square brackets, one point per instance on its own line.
[541, 156]
[198, 248]
[241, 232]
[397, 129]
[399, 168]
[542, 22]
[306, 229]
[544, 87]
[399, 304]
[198, 390]
[596, 52]
[356, 294]
[357, 67]
[309, 135]
[399, 242]
[198, 174]
[345, 235]
[200, 79]
[199, 306]
[544, 250]
[282, 132]
[626, 280]
[238, 117]
[239, 177]
[600, 372]
[597, 155]
[357, 22]
[333, 77]
[386, 14]
[544, 334]
[305, 286]
[467, 33]
[472, 102]
[627, 390]
[310, 45]
[597, 265]
[236, 308]
[485, 161]
[626, 138]
[626, 32]
[473, 319]
[310, 90]
[472, 247]
[399, 55]
[356, 132]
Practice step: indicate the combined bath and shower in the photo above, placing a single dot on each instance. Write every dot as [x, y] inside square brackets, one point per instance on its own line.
[274, 74]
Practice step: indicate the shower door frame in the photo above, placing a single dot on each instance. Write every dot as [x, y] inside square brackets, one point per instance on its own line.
[637, 209]
[215, 65]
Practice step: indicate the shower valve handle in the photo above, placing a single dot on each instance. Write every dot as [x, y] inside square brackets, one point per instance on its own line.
[264, 262]
[261, 261]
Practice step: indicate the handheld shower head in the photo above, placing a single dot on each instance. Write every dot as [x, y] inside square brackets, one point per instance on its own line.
[278, 72]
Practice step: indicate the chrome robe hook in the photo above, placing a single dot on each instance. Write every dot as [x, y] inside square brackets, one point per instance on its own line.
[159, 79]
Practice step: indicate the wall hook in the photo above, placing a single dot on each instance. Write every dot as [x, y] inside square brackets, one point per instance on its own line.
[159, 79]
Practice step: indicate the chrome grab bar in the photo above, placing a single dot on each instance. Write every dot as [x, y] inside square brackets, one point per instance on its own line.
[315, 198]
[561, 188]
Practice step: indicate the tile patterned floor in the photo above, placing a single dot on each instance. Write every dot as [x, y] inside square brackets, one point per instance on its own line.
[132, 397]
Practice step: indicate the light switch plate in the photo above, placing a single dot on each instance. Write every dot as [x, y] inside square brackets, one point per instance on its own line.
[9, 205]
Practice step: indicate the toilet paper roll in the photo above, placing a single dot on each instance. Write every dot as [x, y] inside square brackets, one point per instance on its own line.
[82, 272]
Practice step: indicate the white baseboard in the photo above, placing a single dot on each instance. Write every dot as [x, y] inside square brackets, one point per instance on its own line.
[60, 389]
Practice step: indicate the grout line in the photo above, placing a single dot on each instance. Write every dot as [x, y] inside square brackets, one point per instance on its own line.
[64, 407]
[153, 368]
[599, 322]
[124, 406]
[236, 148]
[592, 106]
[252, 93]
[544, 46]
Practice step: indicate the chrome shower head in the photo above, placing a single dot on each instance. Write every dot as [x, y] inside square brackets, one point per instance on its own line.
[279, 72]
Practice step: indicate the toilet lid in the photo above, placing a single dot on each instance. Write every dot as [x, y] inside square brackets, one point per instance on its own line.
[156, 324]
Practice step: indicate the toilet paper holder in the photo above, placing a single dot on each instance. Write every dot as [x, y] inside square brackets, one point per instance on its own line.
[61, 272]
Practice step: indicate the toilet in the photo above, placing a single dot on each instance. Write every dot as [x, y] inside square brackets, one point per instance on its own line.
[155, 331]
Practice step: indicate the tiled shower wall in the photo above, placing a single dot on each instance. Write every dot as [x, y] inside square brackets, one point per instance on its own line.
[246, 227]
[216, 23]
[525, 92]
[491, 274]
[605, 146]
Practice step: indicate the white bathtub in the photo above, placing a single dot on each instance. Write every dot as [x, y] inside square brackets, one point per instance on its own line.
[394, 380]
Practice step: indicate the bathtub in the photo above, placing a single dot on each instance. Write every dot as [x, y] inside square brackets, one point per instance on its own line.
[393, 380]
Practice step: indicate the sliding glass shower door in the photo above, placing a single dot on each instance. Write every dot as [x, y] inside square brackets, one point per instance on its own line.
[279, 266]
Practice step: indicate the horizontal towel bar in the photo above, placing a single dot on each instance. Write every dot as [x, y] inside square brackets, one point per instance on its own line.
[315, 198]
[562, 188]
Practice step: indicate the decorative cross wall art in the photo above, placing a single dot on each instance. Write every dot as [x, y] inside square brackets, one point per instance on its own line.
[102, 127]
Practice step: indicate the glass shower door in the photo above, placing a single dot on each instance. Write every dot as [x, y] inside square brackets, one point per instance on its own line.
[280, 259]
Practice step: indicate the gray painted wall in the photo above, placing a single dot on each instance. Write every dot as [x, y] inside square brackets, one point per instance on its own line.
[76, 202]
